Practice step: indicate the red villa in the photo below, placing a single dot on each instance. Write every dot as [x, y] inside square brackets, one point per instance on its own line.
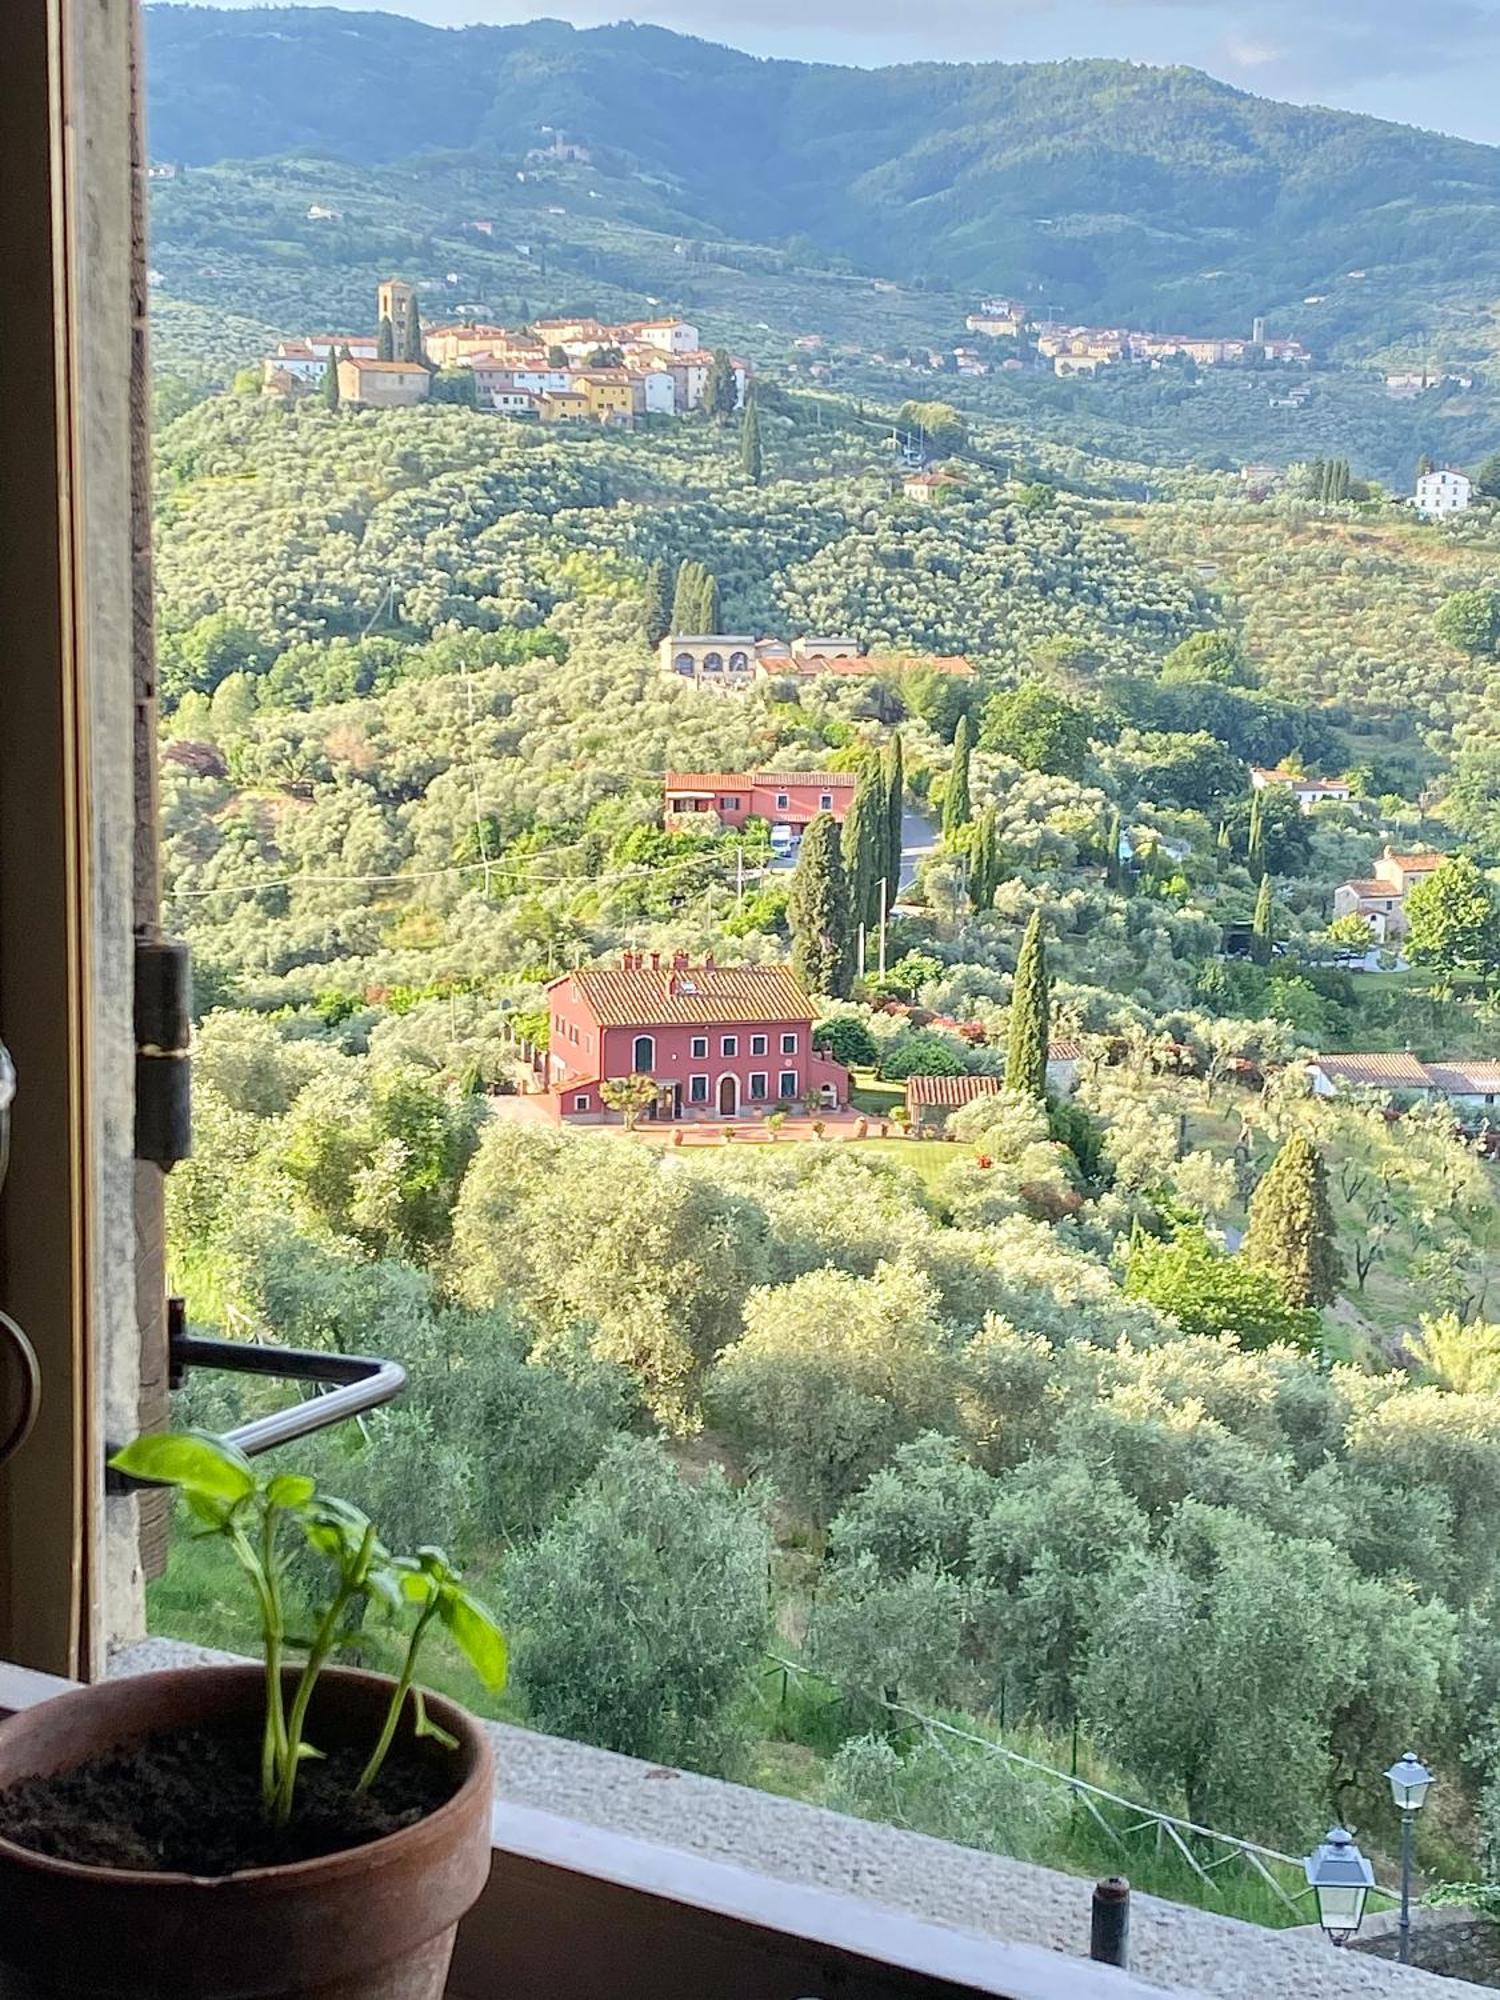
[782, 798]
[721, 1040]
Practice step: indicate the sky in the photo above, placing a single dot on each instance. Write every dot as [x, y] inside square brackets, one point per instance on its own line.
[1434, 65]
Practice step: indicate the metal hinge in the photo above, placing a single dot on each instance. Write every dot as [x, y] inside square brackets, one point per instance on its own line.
[163, 1067]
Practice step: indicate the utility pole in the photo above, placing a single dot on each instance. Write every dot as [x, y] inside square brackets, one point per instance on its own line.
[883, 881]
[861, 952]
[739, 876]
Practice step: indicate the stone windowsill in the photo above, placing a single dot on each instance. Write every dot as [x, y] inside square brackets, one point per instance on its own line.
[1173, 1945]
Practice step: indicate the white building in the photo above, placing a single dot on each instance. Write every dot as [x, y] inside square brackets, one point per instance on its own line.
[1468, 1085]
[655, 392]
[672, 336]
[1441, 493]
[1308, 792]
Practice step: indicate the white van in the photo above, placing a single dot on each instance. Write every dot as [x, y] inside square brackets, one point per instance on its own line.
[783, 842]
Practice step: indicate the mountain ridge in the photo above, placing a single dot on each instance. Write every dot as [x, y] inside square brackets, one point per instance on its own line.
[1110, 189]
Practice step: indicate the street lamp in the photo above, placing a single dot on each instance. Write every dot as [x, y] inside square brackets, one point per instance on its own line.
[1340, 1878]
[1410, 1779]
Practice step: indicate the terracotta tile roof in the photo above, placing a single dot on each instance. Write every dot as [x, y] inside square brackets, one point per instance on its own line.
[948, 1093]
[1466, 1079]
[1298, 783]
[1394, 1072]
[1371, 889]
[728, 781]
[1417, 864]
[661, 997]
[928, 663]
[385, 367]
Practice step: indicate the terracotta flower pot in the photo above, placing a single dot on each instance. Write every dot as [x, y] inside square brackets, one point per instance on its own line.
[371, 1923]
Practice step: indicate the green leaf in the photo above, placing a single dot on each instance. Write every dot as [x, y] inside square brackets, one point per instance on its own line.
[196, 1461]
[214, 1515]
[417, 1588]
[291, 1490]
[476, 1635]
[425, 1726]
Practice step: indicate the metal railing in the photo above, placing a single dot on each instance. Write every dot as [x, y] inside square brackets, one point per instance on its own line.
[1124, 1817]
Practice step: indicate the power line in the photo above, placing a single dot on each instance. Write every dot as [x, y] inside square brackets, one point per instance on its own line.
[521, 861]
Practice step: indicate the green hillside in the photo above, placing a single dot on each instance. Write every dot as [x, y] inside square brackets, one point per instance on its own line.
[1160, 196]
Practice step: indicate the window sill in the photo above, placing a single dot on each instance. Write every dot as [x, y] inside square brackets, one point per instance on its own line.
[614, 1879]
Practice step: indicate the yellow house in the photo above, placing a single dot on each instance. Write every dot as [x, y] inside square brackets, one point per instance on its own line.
[383, 385]
[611, 400]
[446, 345]
[565, 406]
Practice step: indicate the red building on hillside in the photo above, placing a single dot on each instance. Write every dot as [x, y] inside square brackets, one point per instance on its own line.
[721, 1041]
[783, 798]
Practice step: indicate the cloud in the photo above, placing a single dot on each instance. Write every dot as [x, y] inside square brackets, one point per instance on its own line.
[1244, 54]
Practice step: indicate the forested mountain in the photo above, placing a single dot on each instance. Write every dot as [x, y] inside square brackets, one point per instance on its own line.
[1109, 189]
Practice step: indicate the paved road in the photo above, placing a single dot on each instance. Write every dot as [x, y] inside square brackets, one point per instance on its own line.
[919, 838]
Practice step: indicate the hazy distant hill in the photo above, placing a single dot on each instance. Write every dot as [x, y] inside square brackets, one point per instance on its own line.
[1100, 187]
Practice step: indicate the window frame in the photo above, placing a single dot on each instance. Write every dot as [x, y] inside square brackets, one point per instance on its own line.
[785, 1077]
[81, 1260]
[729, 1048]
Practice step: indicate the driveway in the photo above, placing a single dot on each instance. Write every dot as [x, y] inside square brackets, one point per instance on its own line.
[919, 839]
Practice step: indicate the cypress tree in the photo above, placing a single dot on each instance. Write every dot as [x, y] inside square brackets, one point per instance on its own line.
[1262, 924]
[864, 846]
[893, 771]
[957, 810]
[1030, 1016]
[331, 383]
[385, 340]
[685, 597]
[695, 602]
[1255, 845]
[654, 604]
[752, 451]
[1114, 870]
[818, 912]
[721, 388]
[411, 342]
[984, 860]
[1291, 1229]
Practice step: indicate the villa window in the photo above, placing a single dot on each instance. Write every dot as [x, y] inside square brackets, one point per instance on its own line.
[643, 1055]
[729, 1046]
[758, 1045]
[760, 1084]
[699, 1048]
[787, 1085]
[581, 1101]
[789, 1045]
[782, 801]
[697, 1090]
[825, 801]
